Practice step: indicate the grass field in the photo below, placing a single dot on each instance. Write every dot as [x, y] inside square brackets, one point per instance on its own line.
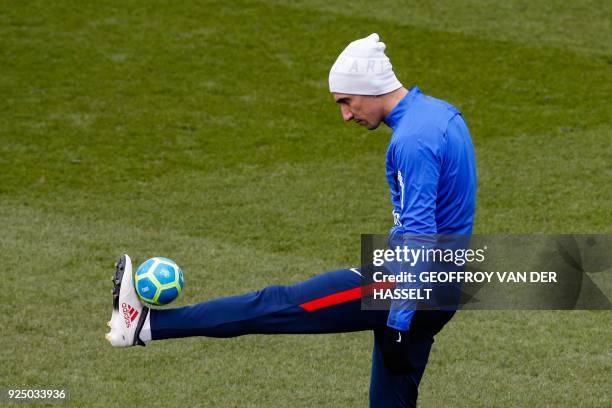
[204, 131]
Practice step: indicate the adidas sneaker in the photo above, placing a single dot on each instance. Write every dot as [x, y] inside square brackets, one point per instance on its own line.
[129, 314]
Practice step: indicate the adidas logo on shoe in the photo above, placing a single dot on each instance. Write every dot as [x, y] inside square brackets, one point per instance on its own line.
[129, 314]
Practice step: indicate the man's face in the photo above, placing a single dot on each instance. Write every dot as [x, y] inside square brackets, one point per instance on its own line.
[365, 110]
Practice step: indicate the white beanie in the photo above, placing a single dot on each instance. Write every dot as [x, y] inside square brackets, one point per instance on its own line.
[363, 69]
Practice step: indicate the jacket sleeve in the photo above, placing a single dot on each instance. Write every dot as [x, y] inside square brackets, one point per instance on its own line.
[418, 162]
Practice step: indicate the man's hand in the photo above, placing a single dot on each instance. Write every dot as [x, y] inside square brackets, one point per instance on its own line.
[395, 350]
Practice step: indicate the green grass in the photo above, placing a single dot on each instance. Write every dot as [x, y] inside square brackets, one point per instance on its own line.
[204, 132]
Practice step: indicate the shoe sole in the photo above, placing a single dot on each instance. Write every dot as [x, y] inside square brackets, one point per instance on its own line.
[119, 270]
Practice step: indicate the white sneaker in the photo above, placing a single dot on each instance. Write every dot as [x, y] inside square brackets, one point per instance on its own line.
[129, 314]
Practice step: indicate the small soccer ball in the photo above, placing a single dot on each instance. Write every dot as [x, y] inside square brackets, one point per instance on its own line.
[158, 281]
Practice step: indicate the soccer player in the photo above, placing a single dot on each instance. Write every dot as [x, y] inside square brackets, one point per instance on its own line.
[431, 172]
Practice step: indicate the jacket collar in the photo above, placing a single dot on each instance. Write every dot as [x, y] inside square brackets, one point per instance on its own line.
[395, 116]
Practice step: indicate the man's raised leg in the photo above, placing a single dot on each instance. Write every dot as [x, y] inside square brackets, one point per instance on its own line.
[327, 303]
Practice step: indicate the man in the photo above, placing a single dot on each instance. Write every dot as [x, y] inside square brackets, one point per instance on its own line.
[431, 173]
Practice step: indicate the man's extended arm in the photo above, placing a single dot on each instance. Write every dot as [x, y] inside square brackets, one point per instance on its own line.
[418, 162]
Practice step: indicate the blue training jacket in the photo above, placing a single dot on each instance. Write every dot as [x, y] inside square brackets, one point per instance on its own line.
[431, 170]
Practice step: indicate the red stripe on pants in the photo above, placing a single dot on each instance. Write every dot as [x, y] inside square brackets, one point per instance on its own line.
[344, 296]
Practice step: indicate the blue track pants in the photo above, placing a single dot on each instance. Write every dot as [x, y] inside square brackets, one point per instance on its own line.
[327, 303]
